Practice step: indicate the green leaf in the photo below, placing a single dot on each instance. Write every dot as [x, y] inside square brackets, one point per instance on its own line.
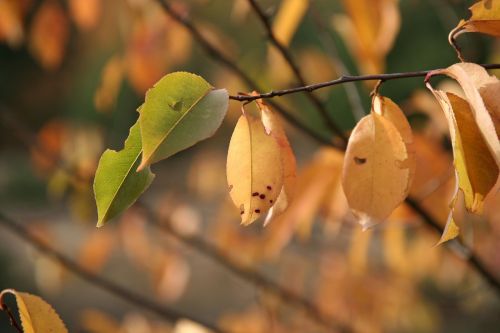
[117, 184]
[180, 110]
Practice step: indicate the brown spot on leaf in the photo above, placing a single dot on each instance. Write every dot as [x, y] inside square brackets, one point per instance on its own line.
[359, 160]
[257, 211]
[254, 194]
[262, 196]
[230, 188]
[269, 187]
[271, 201]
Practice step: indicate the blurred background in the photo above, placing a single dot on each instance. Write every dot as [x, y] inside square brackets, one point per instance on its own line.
[73, 73]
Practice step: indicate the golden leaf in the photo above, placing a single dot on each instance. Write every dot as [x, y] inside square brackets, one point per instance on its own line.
[377, 169]
[254, 168]
[37, 316]
[485, 19]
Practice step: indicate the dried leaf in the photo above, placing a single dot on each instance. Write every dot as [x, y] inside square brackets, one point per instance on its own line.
[180, 110]
[475, 81]
[377, 169]
[476, 167]
[36, 315]
[485, 19]
[254, 168]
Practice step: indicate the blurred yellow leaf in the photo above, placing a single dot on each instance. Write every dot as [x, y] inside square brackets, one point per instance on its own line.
[111, 79]
[37, 316]
[369, 30]
[11, 24]
[49, 34]
[288, 19]
[86, 13]
[377, 169]
[254, 168]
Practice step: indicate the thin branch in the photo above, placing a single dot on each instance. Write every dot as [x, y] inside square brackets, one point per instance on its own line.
[296, 70]
[231, 65]
[255, 278]
[168, 314]
[341, 80]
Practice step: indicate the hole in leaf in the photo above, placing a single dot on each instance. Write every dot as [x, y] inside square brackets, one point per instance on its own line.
[359, 160]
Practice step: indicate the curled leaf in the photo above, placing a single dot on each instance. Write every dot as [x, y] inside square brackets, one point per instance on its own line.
[377, 169]
[254, 168]
[37, 316]
[180, 110]
[485, 19]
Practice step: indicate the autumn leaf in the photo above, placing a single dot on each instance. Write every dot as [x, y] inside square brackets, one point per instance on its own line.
[481, 91]
[180, 110]
[476, 167]
[369, 29]
[49, 34]
[117, 184]
[377, 169]
[37, 316]
[485, 19]
[254, 168]
[86, 13]
[274, 128]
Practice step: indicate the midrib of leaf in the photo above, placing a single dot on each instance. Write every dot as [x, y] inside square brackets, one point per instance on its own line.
[177, 123]
[119, 188]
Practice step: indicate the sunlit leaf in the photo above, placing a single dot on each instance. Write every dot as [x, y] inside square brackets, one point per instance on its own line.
[180, 110]
[117, 184]
[36, 315]
[476, 167]
[377, 169]
[111, 79]
[85, 13]
[273, 126]
[485, 19]
[254, 168]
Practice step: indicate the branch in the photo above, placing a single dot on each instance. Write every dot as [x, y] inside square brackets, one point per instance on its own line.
[255, 278]
[341, 80]
[231, 65]
[168, 314]
[296, 70]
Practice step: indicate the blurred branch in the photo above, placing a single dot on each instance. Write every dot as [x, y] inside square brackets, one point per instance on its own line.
[255, 278]
[341, 80]
[231, 65]
[296, 70]
[168, 314]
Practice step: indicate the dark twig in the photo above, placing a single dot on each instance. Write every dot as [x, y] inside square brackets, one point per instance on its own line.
[219, 57]
[341, 80]
[244, 272]
[168, 314]
[296, 70]
[12, 319]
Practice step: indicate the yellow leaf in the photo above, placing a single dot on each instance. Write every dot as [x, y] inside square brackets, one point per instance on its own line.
[475, 81]
[476, 168]
[274, 128]
[37, 316]
[485, 19]
[254, 168]
[376, 171]
[369, 29]
[287, 20]
[107, 92]
[389, 110]
[450, 232]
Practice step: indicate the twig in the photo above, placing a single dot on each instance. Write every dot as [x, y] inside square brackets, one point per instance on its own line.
[341, 80]
[168, 314]
[296, 70]
[12, 319]
[255, 278]
[219, 57]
